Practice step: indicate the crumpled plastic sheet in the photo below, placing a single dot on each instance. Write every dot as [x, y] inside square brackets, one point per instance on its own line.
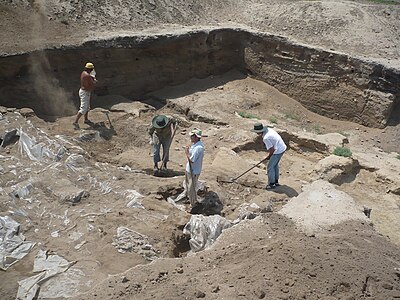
[75, 162]
[49, 265]
[23, 190]
[247, 212]
[128, 240]
[204, 230]
[134, 198]
[35, 151]
[13, 246]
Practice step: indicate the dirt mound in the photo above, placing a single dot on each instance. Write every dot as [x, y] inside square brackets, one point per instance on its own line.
[265, 263]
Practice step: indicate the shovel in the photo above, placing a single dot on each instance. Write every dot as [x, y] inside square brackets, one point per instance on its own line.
[108, 118]
[232, 180]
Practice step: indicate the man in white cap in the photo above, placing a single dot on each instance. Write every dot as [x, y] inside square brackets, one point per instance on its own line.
[275, 147]
[161, 133]
[88, 81]
[194, 154]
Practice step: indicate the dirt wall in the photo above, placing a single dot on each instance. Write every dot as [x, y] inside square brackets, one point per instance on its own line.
[127, 66]
[329, 83]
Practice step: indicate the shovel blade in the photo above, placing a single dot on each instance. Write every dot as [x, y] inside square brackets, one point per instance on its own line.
[225, 180]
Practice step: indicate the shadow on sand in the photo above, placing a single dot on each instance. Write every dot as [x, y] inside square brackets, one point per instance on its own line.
[284, 189]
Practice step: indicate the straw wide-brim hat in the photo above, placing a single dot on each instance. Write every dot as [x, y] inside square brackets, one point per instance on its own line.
[196, 131]
[258, 127]
[159, 121]
[89, 65]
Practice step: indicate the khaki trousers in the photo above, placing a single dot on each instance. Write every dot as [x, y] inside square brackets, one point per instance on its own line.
[190, 187]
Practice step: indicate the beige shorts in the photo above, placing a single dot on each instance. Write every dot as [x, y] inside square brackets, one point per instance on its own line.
[85, 101]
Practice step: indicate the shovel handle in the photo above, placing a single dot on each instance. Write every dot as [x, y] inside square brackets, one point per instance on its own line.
[249, 169]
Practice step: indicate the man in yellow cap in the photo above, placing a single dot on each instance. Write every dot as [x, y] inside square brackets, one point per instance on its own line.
[88, 81]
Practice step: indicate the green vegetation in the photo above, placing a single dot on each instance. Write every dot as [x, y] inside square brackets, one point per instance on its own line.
[398, 156]
[342, 151]
[246, 115]
[273, 119]
[317, 129]
[291, 115]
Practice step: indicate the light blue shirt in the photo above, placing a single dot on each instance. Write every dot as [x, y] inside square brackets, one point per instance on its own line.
[196, 154]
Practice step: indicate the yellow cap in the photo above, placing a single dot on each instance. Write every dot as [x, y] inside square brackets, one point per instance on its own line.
[89, 65]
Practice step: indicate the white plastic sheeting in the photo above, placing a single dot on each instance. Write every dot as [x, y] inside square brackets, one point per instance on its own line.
[35, 151]
[134, 198]
[75, 162]
[12, 243]
[41, 286]
[204, 230]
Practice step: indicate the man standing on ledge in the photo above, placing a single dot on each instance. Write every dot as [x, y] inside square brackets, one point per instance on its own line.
[87, 86]
[275, 147]
[194, 155]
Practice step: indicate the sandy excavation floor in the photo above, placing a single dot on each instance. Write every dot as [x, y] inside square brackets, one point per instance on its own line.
[269, 257]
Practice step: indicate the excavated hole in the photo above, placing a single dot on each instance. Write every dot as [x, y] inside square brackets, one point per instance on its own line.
[132, 67]
[47, 81]
[181, 242]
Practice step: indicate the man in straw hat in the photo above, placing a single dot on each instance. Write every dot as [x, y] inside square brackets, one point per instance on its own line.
[275, 147]
[161, 131]
[194, 154]
[87, 86]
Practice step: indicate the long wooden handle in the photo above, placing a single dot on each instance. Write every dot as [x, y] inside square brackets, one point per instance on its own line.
[249, 169]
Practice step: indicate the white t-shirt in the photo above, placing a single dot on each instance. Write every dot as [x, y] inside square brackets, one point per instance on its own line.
[272, 139]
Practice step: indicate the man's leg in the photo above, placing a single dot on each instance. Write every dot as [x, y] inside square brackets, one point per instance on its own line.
[166, 145]
[192, 192]
[271, 171]
[156, 153]
[86, 116]
[84, 108]
[278, 159]
[78, 116]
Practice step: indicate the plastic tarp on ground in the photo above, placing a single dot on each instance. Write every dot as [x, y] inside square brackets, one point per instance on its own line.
[204, 230]
[45, 285]
[13, 246]
[35, 151]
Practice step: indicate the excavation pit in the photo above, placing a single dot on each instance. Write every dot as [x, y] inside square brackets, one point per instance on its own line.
[329, 83]
[206, 79]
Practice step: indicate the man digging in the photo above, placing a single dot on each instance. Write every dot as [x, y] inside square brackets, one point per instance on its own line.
[88, 81]
[161, 131]
[275, 147]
